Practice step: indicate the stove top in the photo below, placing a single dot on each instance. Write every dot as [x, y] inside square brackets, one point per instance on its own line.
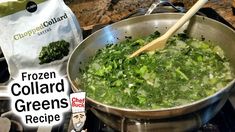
[224, 120]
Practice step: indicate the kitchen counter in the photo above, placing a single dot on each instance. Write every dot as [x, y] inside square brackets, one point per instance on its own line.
[222, 7]
[98, 12]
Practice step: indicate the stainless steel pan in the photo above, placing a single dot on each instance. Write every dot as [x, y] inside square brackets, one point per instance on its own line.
[198, 27]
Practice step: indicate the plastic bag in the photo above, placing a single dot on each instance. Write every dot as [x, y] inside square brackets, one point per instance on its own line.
[37, 34]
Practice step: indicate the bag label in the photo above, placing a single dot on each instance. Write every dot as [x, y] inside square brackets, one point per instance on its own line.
[31, 6]
[38, 29]
[37, 35]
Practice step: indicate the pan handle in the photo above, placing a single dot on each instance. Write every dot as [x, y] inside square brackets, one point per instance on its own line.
[163, 2]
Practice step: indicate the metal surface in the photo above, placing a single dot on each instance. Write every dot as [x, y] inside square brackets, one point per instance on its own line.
[197, 27]
[161, 2]
[188, 122]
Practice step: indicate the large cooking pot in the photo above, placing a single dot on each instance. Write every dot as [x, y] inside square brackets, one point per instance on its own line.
[198, 27]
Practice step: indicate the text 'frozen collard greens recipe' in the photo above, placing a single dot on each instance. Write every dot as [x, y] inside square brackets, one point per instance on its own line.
[36, 39]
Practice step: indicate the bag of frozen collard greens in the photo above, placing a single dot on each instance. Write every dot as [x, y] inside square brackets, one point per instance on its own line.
[37, 34]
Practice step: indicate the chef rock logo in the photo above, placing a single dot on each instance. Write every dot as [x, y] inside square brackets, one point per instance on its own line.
[78, 110]
[39, 97]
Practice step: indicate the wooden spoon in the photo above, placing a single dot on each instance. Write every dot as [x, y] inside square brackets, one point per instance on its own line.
[160, 42]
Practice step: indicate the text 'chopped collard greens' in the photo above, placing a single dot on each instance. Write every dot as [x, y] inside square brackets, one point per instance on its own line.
[186, 70]
[37, 34]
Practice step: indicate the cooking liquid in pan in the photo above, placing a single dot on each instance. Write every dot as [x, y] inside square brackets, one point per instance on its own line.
[186, 70]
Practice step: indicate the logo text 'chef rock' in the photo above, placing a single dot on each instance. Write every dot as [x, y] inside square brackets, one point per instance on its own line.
[78, 110]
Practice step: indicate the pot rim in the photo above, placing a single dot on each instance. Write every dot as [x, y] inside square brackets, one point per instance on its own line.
[116, 110]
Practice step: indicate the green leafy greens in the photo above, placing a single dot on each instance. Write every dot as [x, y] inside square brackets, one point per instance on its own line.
[185, 71]
[54, 51]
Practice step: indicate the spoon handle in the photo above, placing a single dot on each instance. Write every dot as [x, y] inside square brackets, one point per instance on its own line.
[185, 18]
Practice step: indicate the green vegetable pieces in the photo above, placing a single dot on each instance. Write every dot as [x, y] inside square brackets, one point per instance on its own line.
[54, 51]
[186, 70]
